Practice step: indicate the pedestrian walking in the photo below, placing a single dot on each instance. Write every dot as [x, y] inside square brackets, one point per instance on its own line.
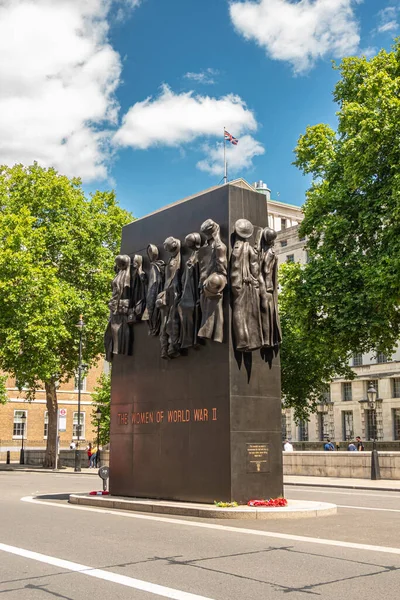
[93, 458]
[89, 452]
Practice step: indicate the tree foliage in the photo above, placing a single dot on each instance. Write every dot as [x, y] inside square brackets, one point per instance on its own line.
[102, 398]
[56, 255]
[346, 298]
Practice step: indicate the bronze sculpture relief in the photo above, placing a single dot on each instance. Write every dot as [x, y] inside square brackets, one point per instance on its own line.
[213, 279]
[269, 289]
[189, 304]
[118, 336]
[138, 290]
[155, 287]
[167, 301]
[245, 285]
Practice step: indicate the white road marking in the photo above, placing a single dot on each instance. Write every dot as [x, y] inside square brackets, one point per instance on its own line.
[352, 493]
[368, 508]
[137, 584]
[224, 528]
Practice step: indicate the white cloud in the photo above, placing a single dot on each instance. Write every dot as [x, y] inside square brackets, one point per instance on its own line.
[204, 77]
[57, 84]
[388, 19]
[172, 119]
[298, 32]
[238, 157]
[369, 51]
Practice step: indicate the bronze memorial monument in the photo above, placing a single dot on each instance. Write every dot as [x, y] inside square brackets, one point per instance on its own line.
[196, 413]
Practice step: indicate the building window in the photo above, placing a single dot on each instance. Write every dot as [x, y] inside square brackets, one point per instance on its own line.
[348, 425]
[75, 426]
[381, 358]
[46, 425]
[323, 429]
[19, 427]
[303, 431]
[326, 395]
[396, 387]
[21, 384]
[83, 384]
[290, 258]
[370, 420]
[283, 223]
[347, 394]
[283, 243]
[396, 423]
[284, 426]
[357, 359]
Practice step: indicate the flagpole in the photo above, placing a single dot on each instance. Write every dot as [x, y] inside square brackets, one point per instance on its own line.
[225, 168]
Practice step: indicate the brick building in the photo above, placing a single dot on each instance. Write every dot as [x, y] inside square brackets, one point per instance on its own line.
[34, 430]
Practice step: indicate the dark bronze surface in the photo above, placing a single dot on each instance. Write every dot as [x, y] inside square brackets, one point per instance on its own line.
[213, 279]
[167, 301]
[269, 289]
[189, 303]
[245, 286]
[155, 286]
[118, 335]
[180, 428]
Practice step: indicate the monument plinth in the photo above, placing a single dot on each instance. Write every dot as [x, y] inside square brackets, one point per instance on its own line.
[205, 425]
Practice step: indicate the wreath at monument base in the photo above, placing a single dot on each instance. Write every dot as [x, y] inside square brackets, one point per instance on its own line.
[274, 502]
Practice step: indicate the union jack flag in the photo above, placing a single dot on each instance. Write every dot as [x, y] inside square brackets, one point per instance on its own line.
[229, 138]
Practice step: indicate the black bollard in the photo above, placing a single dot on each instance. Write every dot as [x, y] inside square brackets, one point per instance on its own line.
[8, 459]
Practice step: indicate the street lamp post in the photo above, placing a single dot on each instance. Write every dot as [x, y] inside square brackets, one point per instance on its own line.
[98, 417]
[375, 471]
[22, 453]
[80, 326]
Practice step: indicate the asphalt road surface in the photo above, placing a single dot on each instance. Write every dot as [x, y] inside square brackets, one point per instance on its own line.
[51, 550]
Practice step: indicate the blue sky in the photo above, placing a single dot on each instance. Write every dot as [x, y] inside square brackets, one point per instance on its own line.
[134, 94]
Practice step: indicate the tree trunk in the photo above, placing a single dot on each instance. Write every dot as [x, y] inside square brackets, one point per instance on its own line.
[51, 403]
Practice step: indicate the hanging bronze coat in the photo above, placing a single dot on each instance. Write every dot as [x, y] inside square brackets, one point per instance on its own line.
[213, 279]
[168, 299]
[269, 290]
[138, 290]
[118, 336]
[245, 285]
[189, 304]
[155, 287]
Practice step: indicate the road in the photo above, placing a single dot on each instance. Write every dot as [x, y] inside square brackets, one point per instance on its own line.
[53, 550]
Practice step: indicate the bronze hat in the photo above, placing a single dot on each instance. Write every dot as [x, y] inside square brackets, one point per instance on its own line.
[244, 228]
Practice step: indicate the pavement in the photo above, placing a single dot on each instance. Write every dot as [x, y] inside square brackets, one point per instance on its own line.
[389, 485]
[50, 549]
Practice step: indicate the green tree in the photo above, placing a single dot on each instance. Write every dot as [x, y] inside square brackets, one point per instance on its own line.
[346, 298]
[56, 257]
[102, 399]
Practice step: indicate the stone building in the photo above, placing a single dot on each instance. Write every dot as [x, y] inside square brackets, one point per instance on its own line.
[346, 414]
[34, 429]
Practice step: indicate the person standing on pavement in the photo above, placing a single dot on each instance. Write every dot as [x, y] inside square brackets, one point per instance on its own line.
[89, 451]
[93, 458]
[329, 446]
[360, 445]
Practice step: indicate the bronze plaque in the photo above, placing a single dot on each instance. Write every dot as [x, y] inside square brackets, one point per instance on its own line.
[257, 458]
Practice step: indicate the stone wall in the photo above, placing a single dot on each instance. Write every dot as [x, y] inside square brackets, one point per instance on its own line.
[340, 464]
[67, 458]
